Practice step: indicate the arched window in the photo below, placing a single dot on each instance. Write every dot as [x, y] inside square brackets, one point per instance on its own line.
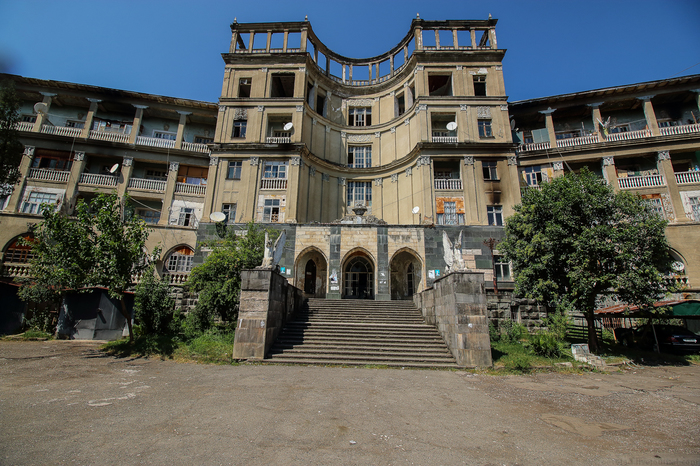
[18, 253]
[179, 261]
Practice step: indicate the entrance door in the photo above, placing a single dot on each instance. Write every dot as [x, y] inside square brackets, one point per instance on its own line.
[359, 279]
[409, 279]
[310, 277]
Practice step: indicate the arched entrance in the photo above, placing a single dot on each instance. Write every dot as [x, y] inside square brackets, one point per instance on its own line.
[358, 278]
[310, 277]
[405, 274]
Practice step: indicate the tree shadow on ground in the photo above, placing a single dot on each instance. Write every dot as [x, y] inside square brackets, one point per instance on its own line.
[143, 346]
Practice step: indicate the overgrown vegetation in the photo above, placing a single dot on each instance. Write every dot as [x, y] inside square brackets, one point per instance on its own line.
[10, 146]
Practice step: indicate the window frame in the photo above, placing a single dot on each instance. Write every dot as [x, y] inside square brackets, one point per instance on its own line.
[227, 209]
[34, 202]
[234, 169]
[249, 85]
[271, 211]
[360, 116]
[485, 127]
[352, 196]
[494, 215]
[186, 217]
[366, 156]
[277, 170]
[479, 81]
[501, 265]
[240, 129]
[489, 169]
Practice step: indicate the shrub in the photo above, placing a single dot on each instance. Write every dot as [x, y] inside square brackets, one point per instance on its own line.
[558, 324]
[545, 344]
[493, 333]
[511, 331]
[153, 305]
[518, 362]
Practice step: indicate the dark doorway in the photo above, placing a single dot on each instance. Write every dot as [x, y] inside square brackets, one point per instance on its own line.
[359, 279]
[409, 279]
[310, 277]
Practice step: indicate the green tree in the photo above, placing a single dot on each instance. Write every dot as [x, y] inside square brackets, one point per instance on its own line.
[153, 305]
[578, 239]
[218, 279]
[99, 246]
[10, 147]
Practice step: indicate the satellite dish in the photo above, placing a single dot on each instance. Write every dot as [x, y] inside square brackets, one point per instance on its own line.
[678, 266]
[451, 126]
[41, 107]
[415, 209]
[288, 126]
[512, 125]
[217, 216]
[114, 168]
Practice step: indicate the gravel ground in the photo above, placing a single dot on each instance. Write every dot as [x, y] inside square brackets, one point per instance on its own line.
[67, 403]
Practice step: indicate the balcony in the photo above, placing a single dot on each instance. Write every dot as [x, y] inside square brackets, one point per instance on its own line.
[147, 185]
[96, 179]
[448, 185]
[58, 176]
[273, 183]
[109, 136]
[445, 139]
[16, 270]
[649, 181]
[155, 142]
[530, 146]
[681, 129]
[628, 135]
[61, 131]
[688, 177]
[278, 140]
[192, 189]
[570, 142]
[195, 147]
[24, 126]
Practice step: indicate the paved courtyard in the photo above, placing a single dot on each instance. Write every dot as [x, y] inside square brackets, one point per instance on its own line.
[66, 403]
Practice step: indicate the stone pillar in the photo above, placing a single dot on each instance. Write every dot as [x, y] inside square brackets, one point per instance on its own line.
[136, 125]
[41, 117]
[418, 36]
[609, 172]
[334, 289]
[383, 293]
[649, 115]
[169, 193]
[126, 171]
[514, 178]
[471, 205]
[558, 169]
[24, 166]
[673, 204]
[285, 41]
[304, 38]
[550, 126]
[85, 133]
[596, 116]
[72, 188]
[293, 189]
[212, 177]
[181, 129]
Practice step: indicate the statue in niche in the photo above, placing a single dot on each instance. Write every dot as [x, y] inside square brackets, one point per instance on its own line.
[453, 253]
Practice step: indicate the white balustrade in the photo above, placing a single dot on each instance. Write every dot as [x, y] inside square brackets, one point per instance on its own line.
[24, 126]
[583, 140]
[649, 181]
[273, 183]
[176, 278]
[681, 129]
[447, 139]
[61, 131]
[533, 146]
[16, 270]
[628, 135]
[109, 136]
[448, 185]
[688, 177]
[97, 179]
[149, 185]
[186, 188]
[155, 142]
[42, 174]
[278, 140]
[195, 147]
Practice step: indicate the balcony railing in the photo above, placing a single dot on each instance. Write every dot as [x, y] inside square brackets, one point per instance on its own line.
[60, 176]
[628, 135]
[278, 140]
[186, 188]
[97, 179]
[570, 142]
[273, 183]
[155, 142]
[109, 136]
[649, 181]
[24, 126]
[446, 139]
[61, 131]
[681, 129]
[195, 147]
[533, 146]
[148, 185]
[16, 270]
[448, 185]
[687, 177]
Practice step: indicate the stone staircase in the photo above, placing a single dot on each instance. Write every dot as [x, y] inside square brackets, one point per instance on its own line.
[361, 332]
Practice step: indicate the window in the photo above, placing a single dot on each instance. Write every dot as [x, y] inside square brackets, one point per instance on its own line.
[400, 105]
[527, 137]
[110, 126]
[234, 170]
[29, 118]
[275, 169]
[35, 200]
[485, 129]
[360, 156]
[239, 128]
[165, 135]
[320, 103]
[52, 162]
[620, 129]
[244, 87]
[149, 216]
[533, 176]
[495, 215]
[229, 210]
[75, 124]
[359, 192]
[186, 217]
[18, 253]
[180, 261]
[567, 134]
[440, 84]
[360, 116]
[271, 210]
[695, 207]
[502, 268]
[282, 85]
[490, 171]
[159, 175]
[657, 206]
[479, 85]
[203, 140]
[450, 215]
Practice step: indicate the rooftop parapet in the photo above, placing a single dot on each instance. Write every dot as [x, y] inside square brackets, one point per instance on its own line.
[298, 37]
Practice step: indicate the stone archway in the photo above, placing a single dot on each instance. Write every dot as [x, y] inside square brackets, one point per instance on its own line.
[358, 277]
[405, 272]
[311, 273]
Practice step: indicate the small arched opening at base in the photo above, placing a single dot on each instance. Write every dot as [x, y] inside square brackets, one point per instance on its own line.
[311, 273]
[405, 274]
[358, 278]
[310, 277]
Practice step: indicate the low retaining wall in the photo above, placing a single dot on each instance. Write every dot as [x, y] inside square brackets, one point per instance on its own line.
[456, 305]
[267, 302]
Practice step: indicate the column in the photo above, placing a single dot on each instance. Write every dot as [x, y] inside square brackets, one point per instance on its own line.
[471, 206]
[212, 175]
[426, 184]
[514, 177]
[673, 204]
[126, 172]
[269, 39]
[312, 96]
[558, 169]
[41, 116]
[169, 193]
[293, 189]
[649, 115]
[550, 126]
[136, 125]
[89, 118]
[304, 38]
[181, 129]
[418, 36]
[24, 166]
[697, 100]
[72, 188]
[595, 114]
[609, 172]
[285, 40]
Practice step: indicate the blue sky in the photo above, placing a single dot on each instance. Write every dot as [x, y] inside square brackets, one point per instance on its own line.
[173, 48]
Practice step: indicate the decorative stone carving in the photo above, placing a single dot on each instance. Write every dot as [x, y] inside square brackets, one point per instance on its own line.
[295, 161]
[504, 108]
[360, 138]
[302, 69]
[376, 100]
[127, 161]
[392, 93]
[29, 151]
[242, 113]
[261, 108]
[343, 134]
[359, 102]
[378, 181]
[79, 156]
[174, 166]
[483, 112]
[663, 155]
[459, 67]
[463, 107]
[213, 161]
[254, 161]
[608, 161]
[558, 166]
[377, 134]
[409, 171]
[393, 129]
[314, 121]
[264, 70]
[394, 177]
[328, 129]
[300, 108]
[407, 121]
[512, 160]
[312, 171]
[420, 68]
[341, 181]
[222, 108]
[468, 160]
[499, 68]
[421, 108]
[668, 206]
[422, 160]
[325, 177]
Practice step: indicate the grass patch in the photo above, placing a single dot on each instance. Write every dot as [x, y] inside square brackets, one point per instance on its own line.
[30, 335]
[210, 348]
[515, 357]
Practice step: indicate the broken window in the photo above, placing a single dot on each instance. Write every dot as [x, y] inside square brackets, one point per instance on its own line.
[229, 211]
[495, 215]
[533, 176]
[449, 215]
[282, 85]
[360, 156]
[186, 217]
[180, 261]
[360, 116]
[320, 103]
[440, 84]
[150, 216]
[479, 85]
[400, 105]
[271, 210]
[239, 128]
[244, 85]
[489, 169]
[485, 129]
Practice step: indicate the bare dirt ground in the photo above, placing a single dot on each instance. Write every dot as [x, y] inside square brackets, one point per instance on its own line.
[67, 403]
